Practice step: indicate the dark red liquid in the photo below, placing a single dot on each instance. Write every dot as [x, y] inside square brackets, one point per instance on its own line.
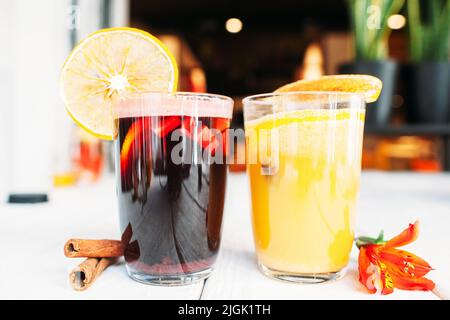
[170, 212]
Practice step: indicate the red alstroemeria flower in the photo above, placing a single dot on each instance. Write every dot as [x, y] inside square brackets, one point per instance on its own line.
[384, 267]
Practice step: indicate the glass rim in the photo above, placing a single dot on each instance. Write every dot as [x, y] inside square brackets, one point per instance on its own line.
[257, 98]
[216, 96]
[165, 103]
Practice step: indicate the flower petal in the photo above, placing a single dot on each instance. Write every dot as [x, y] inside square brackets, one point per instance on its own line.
[365, 271]
[405, 237]
[413, 283]
[404, 263]
[386, 280]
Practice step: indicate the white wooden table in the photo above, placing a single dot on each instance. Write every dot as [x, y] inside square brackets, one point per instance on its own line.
[32, 263]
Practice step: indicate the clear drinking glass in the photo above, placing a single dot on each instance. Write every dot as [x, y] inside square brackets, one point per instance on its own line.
[171, 178]
[304, 163]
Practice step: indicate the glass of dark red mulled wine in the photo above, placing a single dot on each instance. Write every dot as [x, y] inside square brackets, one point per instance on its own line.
[171, 151]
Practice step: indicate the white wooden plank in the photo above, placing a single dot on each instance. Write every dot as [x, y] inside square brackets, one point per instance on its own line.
[32, 239]
[237, 277]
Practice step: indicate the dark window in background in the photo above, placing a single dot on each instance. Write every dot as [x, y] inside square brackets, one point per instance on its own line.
[263, 56]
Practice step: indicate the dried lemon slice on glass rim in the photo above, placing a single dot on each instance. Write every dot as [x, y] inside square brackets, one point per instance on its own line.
[109, 64]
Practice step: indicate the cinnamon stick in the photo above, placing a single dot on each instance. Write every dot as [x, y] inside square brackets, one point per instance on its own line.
[84, 248]
[85, 274]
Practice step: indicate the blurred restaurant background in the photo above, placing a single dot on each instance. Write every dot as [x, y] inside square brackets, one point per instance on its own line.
[235, 48]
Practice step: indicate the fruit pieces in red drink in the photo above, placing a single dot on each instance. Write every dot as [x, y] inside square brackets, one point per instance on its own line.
[132, 141]
[206, 137]
[167, 125]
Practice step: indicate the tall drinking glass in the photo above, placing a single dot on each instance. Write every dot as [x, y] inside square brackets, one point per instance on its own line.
[171, 177]
[304, 163]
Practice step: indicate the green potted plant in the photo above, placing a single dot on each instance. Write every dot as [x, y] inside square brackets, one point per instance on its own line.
[426, 79]
[371, 34]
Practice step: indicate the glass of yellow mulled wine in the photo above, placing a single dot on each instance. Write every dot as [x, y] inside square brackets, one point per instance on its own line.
[304, 162]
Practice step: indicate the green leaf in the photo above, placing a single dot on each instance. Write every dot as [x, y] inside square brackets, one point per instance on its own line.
[429, 39]
[364, 240]
[367, 239]
[380, 238]
[415, 32]
[371, 43]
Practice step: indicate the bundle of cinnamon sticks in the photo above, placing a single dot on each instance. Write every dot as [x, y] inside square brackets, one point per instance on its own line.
[99, 255]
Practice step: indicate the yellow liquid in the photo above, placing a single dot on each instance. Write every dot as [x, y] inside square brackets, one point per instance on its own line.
[303, 201]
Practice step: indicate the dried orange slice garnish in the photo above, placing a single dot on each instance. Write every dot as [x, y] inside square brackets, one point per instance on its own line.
[368, 86]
